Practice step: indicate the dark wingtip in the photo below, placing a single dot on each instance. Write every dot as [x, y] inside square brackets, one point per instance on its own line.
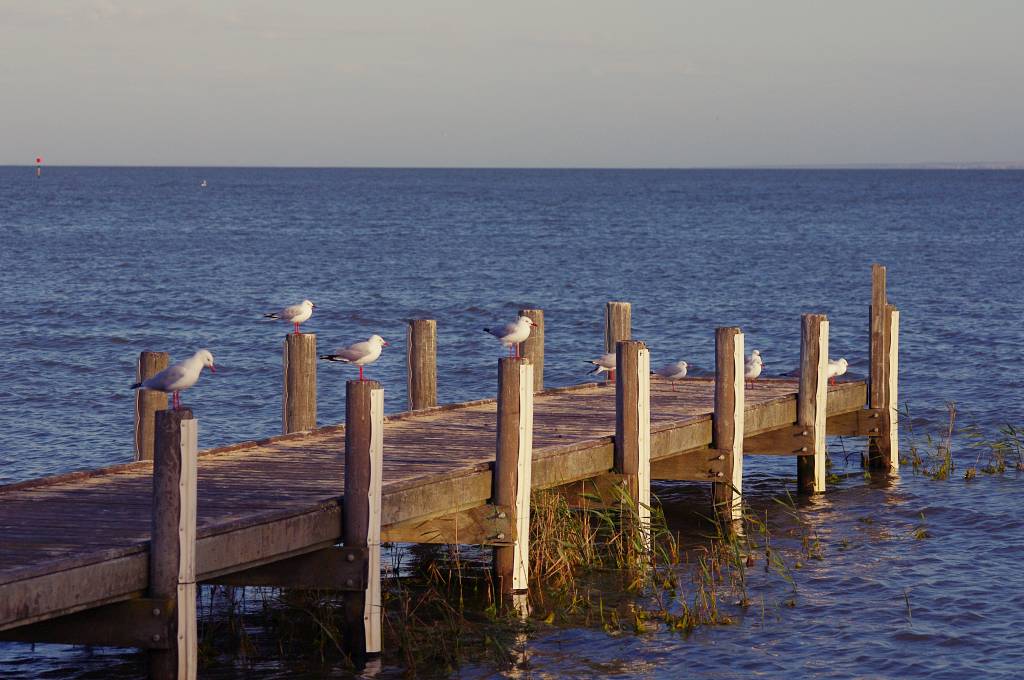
[136, 386]
[487, 330]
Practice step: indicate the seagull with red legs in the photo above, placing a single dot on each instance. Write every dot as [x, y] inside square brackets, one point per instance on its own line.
[510, 335]
[179, 376]
[295, 314]
[359, 354]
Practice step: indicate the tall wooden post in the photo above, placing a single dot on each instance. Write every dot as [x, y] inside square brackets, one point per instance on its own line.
[884, 450]
[364, 455]
[421, 363]
[617, 326]
[812, 400]
[298, 403]
[148, 402]
[172, 547]
[877, 344]
[633, 424]
[533, 348]
[512, 469]
[727, 429]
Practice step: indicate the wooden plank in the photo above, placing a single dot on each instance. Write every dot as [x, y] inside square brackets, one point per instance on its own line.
[728, 428]
[860, 423]
[333, 568]
[790, 440]
[148, 402]
[139, 622]
[812, 402]
[421, 363]
[482, 525]
[298, 398]
[698, 465]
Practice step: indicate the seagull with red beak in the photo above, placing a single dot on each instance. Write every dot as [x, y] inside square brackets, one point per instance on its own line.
[510, 335]
[359, 354]
[178, 377]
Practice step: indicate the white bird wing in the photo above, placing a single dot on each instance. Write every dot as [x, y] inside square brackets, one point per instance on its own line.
[289, 313]
[354, 352]
[167, 379]
[509, 329]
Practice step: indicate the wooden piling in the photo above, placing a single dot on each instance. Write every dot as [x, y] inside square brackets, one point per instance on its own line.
[811, 402]
[361, 516]
[884, 450]
[633, 424]
[511, 480]
[533, 348]
[298, 403]
[727, 426]
[877, 341]
[172, 549]
[617, 326]
[148, 402]
[421, 363]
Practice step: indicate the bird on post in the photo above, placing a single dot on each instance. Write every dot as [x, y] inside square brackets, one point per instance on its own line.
[836, 368]
[754, 365]
[603, 364]
[513, 333]
[295, 314]
[359, 354]
[672, 372]
[179, 376]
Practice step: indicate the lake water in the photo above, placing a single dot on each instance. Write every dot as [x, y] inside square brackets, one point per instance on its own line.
[97, 264]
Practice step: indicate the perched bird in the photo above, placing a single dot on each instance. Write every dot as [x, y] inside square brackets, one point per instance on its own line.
[603, 364]
[295, 314]
[512, 334]
[360, 354]
[179, 376]
[672, 372]
[753, 367]
[836, 368]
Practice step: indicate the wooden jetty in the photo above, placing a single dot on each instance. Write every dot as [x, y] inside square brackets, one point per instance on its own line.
[113, 556]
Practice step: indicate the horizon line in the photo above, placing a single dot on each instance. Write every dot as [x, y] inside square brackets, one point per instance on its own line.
[941, 165]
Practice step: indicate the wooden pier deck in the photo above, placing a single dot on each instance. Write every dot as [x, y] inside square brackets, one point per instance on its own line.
[80, 540]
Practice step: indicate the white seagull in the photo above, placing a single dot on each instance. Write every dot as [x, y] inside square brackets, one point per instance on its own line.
[295, 314]
[672, 372]
[753, 366]
[836, 368]
[512, 334]
[360, 354]
[604, 364]
[179, 376]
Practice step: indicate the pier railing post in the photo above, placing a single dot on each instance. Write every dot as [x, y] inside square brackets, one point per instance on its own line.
[633, 425]
[533, 348]
[812, 400]
[298, 403]
[361, 516]
[877, 344]
[148, 402]
[421, 363]
[617, 326]
[172, 548]
[512, 470]
[884, 450]
[727, 430]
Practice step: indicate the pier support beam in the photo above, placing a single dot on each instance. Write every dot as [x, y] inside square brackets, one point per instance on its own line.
[812, 401]
[617, 326]
[172, 548]
[883, 451]
[421, 363]
[633, 425]
[361, 516]
[727, 427]
[148, 402]
[533, 348]
[512, 470]
[298, 404]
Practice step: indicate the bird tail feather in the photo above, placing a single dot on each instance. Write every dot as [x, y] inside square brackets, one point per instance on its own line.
[136, 386]
[271, 316]
[334, 357]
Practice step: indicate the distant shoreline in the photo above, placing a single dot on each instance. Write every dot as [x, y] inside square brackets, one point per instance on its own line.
[849, 166]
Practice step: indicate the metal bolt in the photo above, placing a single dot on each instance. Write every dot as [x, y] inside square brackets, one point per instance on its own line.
[874, 429]
[804, 433]
[803, 449]
[720, 474]
[874, 415]
[156, 637]
[501, 537]
[350, 582]
[721, 456]
[502, 515]
[350, 557]
[156, 611]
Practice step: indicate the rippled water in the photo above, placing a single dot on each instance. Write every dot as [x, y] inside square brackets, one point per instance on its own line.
[97, 264]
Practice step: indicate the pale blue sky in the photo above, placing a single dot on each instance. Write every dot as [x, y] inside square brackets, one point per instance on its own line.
[479, 83]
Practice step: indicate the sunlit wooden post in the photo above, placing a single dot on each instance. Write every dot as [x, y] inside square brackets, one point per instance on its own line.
[298, 402]
[812, 400]
[727, 430]
[172, 548]
[533, 348]
[617, 326]
[883, 450]
[512, 470]
[148, 402]
[633, 425]
[421, 363]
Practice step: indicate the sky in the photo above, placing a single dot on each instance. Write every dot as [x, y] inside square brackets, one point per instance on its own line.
[511, 84]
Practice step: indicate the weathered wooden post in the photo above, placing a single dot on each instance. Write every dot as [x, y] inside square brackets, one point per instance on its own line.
[421, 363]
[364, 455]
[883, 451]
[172, 547]
[512, 470]
[633, 425]
[148, 402]
[533, 348]
[727, 430]
[812, 401]
[298, 403]
[617, 326]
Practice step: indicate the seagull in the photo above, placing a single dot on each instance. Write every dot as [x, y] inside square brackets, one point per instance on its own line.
[836, 368]
[360, 354]
[513, 333]
[604, 364]
[179, 376]
[296, 314]
[753, 366]
[672, 372]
